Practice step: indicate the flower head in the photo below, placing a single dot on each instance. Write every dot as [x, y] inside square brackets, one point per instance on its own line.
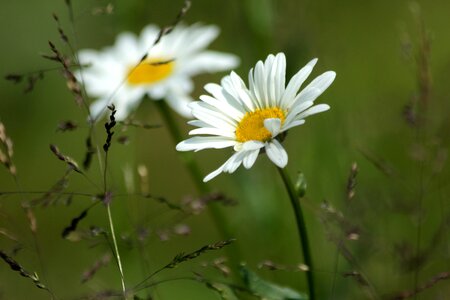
[122, 75]
[252, 118]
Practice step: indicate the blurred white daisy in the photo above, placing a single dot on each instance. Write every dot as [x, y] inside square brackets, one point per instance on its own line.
[113, 75]
[251, 118]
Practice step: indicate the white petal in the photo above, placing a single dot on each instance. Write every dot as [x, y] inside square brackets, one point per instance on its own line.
[251, 145]
[220, 95]
[209, 62]
[229, 166]
[208, 113]
[213, 131]
[273, 125]
[213, 118]
[125, 100]
[224, 107]
[307, 95]
[280, 77]
[295, 83]
[234, 162]
[294, 123]
[97, 108]
[204, 142]
[126, 47]
[271, 82]
[313, 110]
[198, 123]
[316, 87]
[87, 56]
[213, 174]
[296, 109]
[179, 102]
[250, 158]
[276, 153]
[148, 37]
[188, 40]
[260, 88]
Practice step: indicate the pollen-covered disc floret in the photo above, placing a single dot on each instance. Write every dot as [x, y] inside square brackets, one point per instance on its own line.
[251, 127]
[250, 118]
[124, 73]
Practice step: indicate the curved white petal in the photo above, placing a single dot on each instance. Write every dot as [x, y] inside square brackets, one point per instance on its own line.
[250, 158]
[97, 108]
[197, 123]
[198, 143]
[234, 162]
[313, 110]
[276, 153]
[280, 78]
[296, 109]
[224, 107]
[213, 174]
[126, 48]
[260, 88]
[251, 145]
[209, 62]
[179, 102]
[294, 123]
[295, 83]
[228, 167]
[273, 125]
[203, 110]
[213, 131]
[316, 87]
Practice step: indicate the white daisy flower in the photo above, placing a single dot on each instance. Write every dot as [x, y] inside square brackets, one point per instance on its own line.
[113, 75]
[251, 118]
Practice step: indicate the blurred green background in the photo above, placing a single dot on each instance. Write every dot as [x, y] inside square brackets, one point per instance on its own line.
[372, 46]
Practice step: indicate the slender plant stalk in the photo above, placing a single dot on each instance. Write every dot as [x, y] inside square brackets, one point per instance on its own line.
[190, 164]
[113, 234]
[116, 249]
[301, 227]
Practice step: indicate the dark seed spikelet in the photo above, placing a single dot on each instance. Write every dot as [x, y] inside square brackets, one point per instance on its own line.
[98, 264]
[62, 34]
[351, 181]
[53, 195]
[6, 151]
[68, 125]
[163, 200]
[30, 79]
[71, 80]
[90, 151]
[183, 257]
[429, 284]
[104, 10]
[74, 223]
[68, 160]
[15, 78]
[138, 124]
[109, 126]
[15, 266]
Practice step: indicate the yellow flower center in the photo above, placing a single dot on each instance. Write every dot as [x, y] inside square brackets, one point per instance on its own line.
[150, 71]
[251, 127]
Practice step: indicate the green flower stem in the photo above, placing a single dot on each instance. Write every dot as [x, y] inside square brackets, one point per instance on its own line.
[187, 158]
[301, 227]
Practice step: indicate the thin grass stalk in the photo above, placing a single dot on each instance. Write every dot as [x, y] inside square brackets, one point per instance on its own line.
[111, 227]
[302, 232]
[194, 171]
[116, 249]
